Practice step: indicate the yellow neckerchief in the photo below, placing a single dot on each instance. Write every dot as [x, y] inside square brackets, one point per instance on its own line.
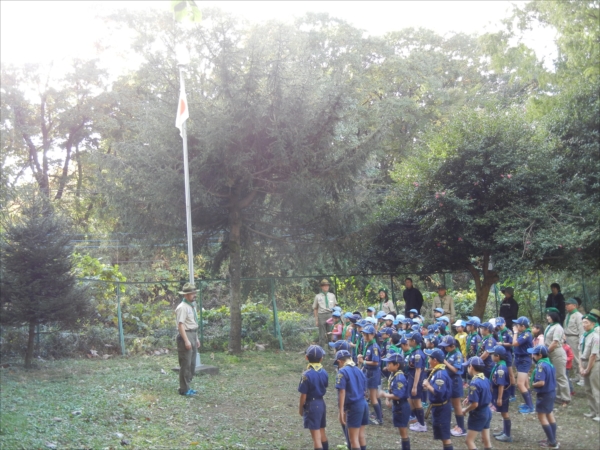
[315, 366]
[349, 363]
[436, 369]
[480, 376]
[391, 377]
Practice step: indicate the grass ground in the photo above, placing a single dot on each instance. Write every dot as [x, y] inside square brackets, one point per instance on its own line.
[252, 403]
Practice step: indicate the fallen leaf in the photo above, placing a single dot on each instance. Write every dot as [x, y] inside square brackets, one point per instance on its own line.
[50, 444]
[57, 419]
[194, 443]
[119, 435]
[163, 371]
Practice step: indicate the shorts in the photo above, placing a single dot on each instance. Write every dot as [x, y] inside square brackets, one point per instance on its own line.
[457, 387]
[545, 402]
[440, 420]
[401, 414]
[509, 360]
[479, 419]
[505, 401]
[523, 364]
[357, 414]
[315, 415]
[409, 382]
[373, 378]
[487, 372]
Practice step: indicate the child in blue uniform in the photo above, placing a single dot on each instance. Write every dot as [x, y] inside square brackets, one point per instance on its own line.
[454, 366]
[543, 381]
[479, 397]
[415, 376]
[398, 394]
[523, 341]
[505, 339]
[370, 359]
[439, 386]
[473, 338]
[485, 347]
[312, 388]
[500, 379]
[353, 409]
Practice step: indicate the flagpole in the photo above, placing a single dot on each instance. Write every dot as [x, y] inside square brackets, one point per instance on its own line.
[188, 202]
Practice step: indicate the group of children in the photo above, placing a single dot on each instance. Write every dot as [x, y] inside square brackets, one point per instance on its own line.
[426, 372]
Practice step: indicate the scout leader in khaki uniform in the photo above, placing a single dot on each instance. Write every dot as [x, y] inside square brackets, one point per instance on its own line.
[553, 338]
[444, 301]
[323, 307]
[573, 332]
[187, 339]
[589, 351]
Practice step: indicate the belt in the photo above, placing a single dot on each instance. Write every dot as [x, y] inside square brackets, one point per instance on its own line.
[399, 402]
[196, 329]
[571, 335]
[439, 404]
[314, 398]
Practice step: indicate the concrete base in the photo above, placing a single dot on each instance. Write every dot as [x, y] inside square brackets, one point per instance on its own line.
[202, 370]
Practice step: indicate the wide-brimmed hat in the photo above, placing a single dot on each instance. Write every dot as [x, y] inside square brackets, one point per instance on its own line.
[324, 282]
[188, 288]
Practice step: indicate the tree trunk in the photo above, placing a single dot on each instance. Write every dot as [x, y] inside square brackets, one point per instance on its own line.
[29, 352]
[482, 286]
[235, 268]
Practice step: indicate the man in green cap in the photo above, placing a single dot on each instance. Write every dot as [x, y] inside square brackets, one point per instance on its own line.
[573, 332]
[589, 350]
[323, 307]
[187, 339]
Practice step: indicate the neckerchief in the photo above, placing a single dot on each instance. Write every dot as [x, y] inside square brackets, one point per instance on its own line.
[532, 378]
[349, 363]
[315, 366]
[548, 329]
[398, 349]
[193, 309]
[526, 330]
[502, 331]
[470, 337]
[436, 369]
[391, 377]
[326, 300]
[345, 329]
[452, 353]
[586, 334]
[410, 351]
[482, 342]
[480, 375]
[367, 344]
[569, 316]
[501, 363]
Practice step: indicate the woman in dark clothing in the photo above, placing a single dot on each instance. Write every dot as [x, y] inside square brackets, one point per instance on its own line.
[556, 300]
[509, 308]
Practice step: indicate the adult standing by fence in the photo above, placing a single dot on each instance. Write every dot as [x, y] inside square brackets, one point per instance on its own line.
[556, 300]
[573, 332]
[553, 337]
[187, 339]
[413, 299]
[509, 308]
[590, 369]
[323, 307]
[385, 303]
[444, 301]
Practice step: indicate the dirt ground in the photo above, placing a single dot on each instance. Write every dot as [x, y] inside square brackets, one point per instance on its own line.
[253, 403]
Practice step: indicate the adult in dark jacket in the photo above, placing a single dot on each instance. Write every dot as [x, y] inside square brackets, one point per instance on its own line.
[509, 308]
[413, 299]
[556, 300]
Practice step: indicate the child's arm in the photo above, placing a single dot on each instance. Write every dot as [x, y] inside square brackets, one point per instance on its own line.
[341, 402]
[471, 407]
[416, 380]
[538, 384]
[301, 404]
[500, 392]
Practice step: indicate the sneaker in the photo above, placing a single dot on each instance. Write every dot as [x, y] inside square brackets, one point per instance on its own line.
[504, 438]
[549, 445]
[457, 431]
[374, 421]
[597, 418]
[418, 428]
[543, 442]
[580, 383]
[527, 411]
[193, 391]
[589, 415]
[412, 419]
[497, 433]
[512, 399]
[189, 393]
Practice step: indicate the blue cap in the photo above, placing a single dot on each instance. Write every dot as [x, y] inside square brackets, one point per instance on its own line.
[315, 351]
[371, 309]
[499, 350]
[414, 311]
[387, 330]
[443, 318]
[369, 329]
[416, 336]
[460, 323]
[500, 321]
[340, 345]
[353, 318]
[538, 350]
[336, 314]
[380, 315]
[435, 353]
[337, 308]
[433, 339]
[416, 327]
[348, 315]
[473, 320]
[342, 354]
[362, 323]
[474, 361]
[397, 321]
[394, 357]
[440, 310]
[371, 320]
[446, 341]
[400, 317]
[407, 320]
[522, 321]
[488, 326]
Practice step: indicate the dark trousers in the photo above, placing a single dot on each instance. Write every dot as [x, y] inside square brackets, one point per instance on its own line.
[323, 329]
[187, 361]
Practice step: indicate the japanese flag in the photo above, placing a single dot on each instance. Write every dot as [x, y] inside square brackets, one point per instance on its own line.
[182, 111]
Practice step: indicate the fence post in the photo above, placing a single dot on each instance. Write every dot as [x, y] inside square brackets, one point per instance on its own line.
[201, 324]
[277, 330]
[540, 294]
[496, 296]
[392, 292]
[37, 337]
[585, 295]
[120, 319]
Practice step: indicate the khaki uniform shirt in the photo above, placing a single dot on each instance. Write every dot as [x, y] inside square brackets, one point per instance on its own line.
[573, 324]
[592, 345]
[388, 307]
[185, 315]
[554, 333]
[320, 303]
[447, 304]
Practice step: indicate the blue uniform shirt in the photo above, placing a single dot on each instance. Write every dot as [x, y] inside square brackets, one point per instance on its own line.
[416, 360]
[506, 336]
[455, 358]
[472, 344]
[487, 345]
[399, 385]
[500, 377]
[441, 383]
[544, 371]
[525, 341]
[313, 382]
[353, 380]
[373, 353]
[480, 391]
